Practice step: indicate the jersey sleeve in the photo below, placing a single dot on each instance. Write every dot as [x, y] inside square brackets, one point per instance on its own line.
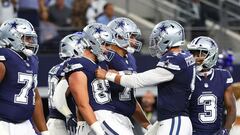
[147, 78]
[172, 63]
[228, 79]
[2, 55]
[71, 66]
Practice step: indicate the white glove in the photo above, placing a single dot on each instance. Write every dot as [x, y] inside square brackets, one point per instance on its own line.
[96, 127]
[152, 130]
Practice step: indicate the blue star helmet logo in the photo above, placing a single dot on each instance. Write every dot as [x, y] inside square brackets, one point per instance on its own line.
[13, 25]
[163, 28]
[98, 30]
[120, 24]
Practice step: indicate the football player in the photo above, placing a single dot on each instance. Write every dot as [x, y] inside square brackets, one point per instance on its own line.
[213, 92]
[126, 32]
[173, 89]
[19, 97]
[91, 95]
[70, 46]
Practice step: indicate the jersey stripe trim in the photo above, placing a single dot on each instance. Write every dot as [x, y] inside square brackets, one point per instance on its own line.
[2, 58]
[168, 65]
[229, 80]
[73, 67]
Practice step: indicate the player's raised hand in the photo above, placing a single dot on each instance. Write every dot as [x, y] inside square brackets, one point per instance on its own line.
[71, 124]
[101, 73]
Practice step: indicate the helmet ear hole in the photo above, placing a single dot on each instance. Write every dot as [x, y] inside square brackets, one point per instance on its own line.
[11, 39]
[165, 42]
[75, 52]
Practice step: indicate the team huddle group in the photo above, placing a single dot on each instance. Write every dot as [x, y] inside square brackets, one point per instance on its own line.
[92, 91]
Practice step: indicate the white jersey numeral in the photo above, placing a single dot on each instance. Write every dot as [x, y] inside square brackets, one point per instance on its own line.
[30, 81]
[100, 91]
[125, 95]
[52, 83]
[209, 101]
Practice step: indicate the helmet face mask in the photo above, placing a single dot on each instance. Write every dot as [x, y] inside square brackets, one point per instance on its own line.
[126, 33]
[30, 43]
[165, 35]
[73, 45]
[100, 37]
[21, 36]
[205, 51]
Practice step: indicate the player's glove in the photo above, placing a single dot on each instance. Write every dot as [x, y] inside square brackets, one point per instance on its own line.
[222, 131]
[71, 124]
[96, 127]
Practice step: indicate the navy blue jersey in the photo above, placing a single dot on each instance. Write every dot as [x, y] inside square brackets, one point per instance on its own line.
[207, 101]
[99, 95]
[123, 97]
[55, 74]
[173, 96]
[17, 99]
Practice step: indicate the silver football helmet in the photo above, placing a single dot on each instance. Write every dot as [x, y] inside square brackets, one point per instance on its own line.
[73, 45]
[208, 46]
[99, 36]
[165, 35]
[125, 28]
[20, 35]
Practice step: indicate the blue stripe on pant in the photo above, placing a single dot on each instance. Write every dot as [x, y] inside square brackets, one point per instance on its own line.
[108, 129]
[178, 122]
[179, 125]
[172, 126]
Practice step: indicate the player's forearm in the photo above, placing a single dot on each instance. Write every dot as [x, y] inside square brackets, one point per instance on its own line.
[87, 114]
[38, 115]
[230, 118]
[147, 78]
[140, 116]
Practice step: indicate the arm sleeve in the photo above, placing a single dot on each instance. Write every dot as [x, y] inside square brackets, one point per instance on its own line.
[147, 78]
[59, 98]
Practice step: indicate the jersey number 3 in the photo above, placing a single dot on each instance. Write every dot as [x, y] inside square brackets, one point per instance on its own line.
[209, 102]
[28, 80]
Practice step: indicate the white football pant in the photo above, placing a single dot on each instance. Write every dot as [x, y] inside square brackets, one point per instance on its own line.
[24, 128]
[179, 125]
[56, 127]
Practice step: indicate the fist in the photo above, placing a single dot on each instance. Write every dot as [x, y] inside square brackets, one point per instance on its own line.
[101, 73]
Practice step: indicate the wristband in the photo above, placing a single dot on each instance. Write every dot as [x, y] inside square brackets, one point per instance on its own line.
[111, 76]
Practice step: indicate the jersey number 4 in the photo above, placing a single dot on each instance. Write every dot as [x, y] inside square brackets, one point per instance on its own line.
[209, 102]
[29, 80]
